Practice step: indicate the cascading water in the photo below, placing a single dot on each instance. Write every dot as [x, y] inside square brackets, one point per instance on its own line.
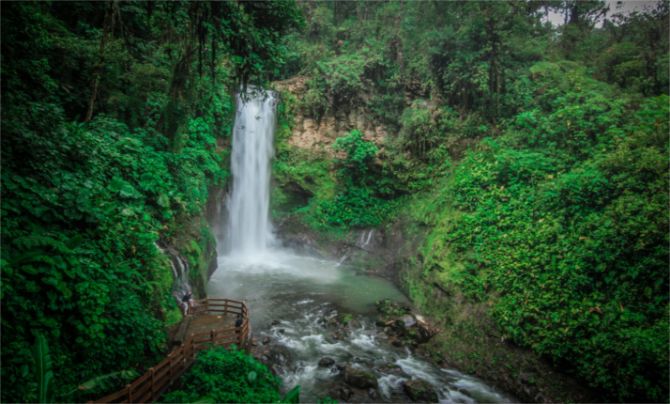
[181, 289]
[249, 228]
[293, 298]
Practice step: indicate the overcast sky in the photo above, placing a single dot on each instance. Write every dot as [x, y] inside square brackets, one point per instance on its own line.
[616, 7]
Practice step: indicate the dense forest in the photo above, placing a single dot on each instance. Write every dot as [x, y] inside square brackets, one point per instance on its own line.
[527, 161]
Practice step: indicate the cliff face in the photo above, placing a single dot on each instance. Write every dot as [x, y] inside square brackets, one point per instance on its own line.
[318, 135]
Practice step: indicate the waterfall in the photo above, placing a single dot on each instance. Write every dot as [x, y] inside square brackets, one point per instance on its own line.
[249, 228]
[364, 239]
[181, 286]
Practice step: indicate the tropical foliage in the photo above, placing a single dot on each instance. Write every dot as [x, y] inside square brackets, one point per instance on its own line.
[532, 157]
[534, 154]
[222, 375]
[114, 118]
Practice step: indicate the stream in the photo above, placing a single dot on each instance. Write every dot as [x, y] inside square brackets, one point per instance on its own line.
[306, 310]
[293, 301]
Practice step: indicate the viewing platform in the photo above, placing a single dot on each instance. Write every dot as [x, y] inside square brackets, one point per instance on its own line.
[211, 322]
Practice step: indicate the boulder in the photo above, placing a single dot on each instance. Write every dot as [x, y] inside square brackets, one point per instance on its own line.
[343, 392]
[326, 362]
[406, 321]
[413, 329]
[360, 378]
[420, 390]
[425, 330]
[372, 393]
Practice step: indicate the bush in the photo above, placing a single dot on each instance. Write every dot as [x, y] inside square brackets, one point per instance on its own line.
[222, 375]
[564, 220]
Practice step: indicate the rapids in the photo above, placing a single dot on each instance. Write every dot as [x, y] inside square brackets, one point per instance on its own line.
[309, 307]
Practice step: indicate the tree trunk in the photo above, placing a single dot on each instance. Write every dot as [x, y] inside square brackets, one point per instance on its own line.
[107, 29]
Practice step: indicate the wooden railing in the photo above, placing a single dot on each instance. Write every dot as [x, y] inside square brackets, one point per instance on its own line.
[151, 385]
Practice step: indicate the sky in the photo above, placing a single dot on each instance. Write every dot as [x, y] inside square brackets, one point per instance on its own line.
[616, 7]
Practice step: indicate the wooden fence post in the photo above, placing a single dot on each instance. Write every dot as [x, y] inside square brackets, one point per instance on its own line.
[169, 372]
[152, 371]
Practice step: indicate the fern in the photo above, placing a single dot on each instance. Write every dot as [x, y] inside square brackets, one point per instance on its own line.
[108, 381]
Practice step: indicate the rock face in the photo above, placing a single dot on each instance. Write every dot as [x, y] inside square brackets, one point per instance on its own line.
[359, 378]
[319, 135]
[420, 391]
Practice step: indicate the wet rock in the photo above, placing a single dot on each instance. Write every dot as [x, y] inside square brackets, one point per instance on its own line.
[390, 368]
[420, 390]
[326, 362]
[276, 369]
[344, 393]
[275, 322]
[425, 330]
[372, 393]
[281, 331]
[410, 330]
[274, 355]
[406, 321]
[266, 340]
[360, 378]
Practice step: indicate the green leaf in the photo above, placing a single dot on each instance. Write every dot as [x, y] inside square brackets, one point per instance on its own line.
[163, 201]
[292, 396]
[108, 380]
[251, 376]
[42, 369]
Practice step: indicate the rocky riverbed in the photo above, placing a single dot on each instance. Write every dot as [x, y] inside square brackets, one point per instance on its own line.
[363, 358]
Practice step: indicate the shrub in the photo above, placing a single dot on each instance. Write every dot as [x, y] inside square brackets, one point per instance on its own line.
[226, 376]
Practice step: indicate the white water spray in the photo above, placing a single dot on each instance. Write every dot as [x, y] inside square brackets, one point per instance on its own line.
[249, 228]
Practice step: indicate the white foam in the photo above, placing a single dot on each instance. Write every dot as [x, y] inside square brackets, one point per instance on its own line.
[387, 383]
[418, 369]
[365, 341]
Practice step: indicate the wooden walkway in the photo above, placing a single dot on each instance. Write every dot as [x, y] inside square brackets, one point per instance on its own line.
[213, 322]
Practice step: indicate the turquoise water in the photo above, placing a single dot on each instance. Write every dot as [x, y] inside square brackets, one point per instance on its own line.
[292, 299]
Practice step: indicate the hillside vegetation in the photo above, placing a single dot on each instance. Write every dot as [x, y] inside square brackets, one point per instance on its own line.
[530, 160]
[112, 114]
[535, 156]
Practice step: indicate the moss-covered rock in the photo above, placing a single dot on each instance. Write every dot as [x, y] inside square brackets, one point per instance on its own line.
[420, 390]
[359, 378]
